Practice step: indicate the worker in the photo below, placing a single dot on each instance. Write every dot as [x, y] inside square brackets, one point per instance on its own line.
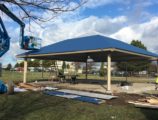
[156, 83]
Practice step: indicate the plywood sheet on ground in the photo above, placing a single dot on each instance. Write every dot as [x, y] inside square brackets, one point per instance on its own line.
[143, 105]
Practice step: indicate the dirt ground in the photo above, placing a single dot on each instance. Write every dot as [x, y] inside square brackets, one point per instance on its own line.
[123, 98]
[101, 86]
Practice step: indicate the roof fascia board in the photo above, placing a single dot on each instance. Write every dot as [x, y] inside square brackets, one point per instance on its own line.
[66, 53]
[88, 51]
[133, 53]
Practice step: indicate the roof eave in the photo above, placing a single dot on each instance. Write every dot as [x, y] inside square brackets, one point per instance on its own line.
[89, 51]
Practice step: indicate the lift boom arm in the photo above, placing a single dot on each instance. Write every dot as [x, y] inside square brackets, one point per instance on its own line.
[4, 9]
[4, 39]
[4, 35]
[26, 42]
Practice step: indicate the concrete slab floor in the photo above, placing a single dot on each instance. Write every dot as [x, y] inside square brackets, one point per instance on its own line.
[101, 87]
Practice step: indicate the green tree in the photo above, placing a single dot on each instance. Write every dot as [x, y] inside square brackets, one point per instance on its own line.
[68, 66]
[134, 65]
[17, 65]
[48, 63]
[36, 63]
[139, 44]
[9, 67]
[153, 67]
[21, 64]
[63, 66]
[102, 70]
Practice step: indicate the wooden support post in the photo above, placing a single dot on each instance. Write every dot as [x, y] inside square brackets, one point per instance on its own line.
[41, 65]
[25, 71]
[126, 71]
[109, 72]
[42, 71]
[86, 71]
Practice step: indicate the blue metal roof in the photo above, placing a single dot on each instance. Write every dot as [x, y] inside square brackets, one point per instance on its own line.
[93, 42]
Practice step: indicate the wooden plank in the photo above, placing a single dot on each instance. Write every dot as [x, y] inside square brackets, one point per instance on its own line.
[143, 104]
[146, 105]
[153, 101]
[29, 87]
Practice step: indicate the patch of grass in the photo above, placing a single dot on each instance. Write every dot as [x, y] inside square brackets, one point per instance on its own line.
[150, 92]
[37, 106]
[118, 79]
[18, 76]
[33, 76]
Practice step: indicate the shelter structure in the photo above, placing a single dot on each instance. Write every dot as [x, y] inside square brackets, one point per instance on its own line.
[97, 47]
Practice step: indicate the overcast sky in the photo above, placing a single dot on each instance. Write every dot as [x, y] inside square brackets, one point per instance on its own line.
[124, 20]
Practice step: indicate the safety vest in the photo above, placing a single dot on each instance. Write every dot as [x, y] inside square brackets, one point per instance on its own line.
[157, 80]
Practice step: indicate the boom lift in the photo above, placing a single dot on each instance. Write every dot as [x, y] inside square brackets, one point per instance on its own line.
[4, 39]
[26, 42]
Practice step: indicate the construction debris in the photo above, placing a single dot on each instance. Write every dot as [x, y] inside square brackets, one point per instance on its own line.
[153, 101]
[31, 87]
[35, 87]
[10, 87]
[17, 89]
[50, 88]
[146, 103]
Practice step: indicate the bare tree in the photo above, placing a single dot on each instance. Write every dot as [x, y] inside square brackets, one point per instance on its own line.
[33, 9]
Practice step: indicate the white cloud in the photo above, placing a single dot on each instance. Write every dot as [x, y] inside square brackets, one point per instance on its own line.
[146, 32]
[60, 29]
[126, 34]
[63, 30]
